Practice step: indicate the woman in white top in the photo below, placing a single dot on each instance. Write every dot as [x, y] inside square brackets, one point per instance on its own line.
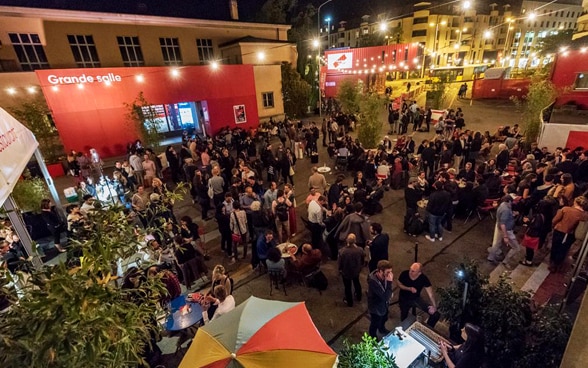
[224, 303]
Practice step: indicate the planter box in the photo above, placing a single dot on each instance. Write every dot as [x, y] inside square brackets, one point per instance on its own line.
[55, 170]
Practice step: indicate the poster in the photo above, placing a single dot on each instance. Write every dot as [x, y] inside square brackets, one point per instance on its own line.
[240, 115]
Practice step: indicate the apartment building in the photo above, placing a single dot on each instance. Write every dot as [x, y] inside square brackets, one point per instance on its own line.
[458, 33]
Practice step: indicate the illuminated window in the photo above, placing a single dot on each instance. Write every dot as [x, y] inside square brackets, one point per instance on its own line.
[84, 51]
[130, 50]
[29, 51]
[205, 49]
[170, 48]
[581, 81]
[268, 99]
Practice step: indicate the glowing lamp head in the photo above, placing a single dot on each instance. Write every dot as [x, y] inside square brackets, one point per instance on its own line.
[214, 64]
[140, 78]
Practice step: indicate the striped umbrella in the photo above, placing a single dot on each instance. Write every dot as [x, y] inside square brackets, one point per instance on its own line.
[260, 333]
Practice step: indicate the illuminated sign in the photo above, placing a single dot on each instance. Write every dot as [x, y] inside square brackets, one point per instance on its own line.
[343, 60]
[83, 78]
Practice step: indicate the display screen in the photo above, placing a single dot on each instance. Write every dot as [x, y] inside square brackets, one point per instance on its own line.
[172, 117]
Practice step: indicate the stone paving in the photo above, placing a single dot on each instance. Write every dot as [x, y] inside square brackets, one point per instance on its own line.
[335, 321]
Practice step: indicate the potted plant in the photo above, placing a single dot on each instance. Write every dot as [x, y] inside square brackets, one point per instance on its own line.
[369, 353]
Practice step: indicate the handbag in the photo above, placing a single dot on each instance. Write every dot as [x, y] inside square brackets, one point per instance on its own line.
[291, 172]
[210, 191]
[531, 242]
[237, 238]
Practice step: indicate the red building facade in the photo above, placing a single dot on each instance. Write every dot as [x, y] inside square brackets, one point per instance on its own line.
[88, 105]
[365, 62]
[570, 74]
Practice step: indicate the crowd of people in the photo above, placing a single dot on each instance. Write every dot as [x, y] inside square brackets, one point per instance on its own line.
[245, 182]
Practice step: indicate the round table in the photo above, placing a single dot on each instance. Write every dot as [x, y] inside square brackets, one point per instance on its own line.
[183, 314]
[324, 169]
[285, 249]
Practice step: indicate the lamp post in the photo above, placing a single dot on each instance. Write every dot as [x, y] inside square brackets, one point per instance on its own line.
[318, 28]
[506, 49]
[436, 39]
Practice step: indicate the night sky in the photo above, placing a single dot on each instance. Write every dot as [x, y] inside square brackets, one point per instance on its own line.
[350, 10]
[206, 9]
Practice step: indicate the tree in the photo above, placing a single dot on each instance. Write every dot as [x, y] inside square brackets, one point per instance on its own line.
[275, 11]
[515, 335]
[370, 127]
[295, 90]
[303, 30]
[552, 43]
[541, 93]
[74, 315]
[144, 118]
[437, 94]
[348, 96]
[35, 115]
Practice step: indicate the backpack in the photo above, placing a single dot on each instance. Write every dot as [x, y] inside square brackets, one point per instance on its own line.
[282, 211]
[318, 280]
[415, 225]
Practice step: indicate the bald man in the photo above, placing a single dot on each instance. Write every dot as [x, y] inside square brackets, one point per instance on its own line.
[351, 259]
[411, 282]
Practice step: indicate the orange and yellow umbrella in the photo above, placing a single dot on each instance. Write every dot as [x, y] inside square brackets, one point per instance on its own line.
[260, 333]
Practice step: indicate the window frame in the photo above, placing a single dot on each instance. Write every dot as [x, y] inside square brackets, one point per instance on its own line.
[205, 52]
[170, 51]
[87, 59]
[583, 78]
[29, 51]
[266, 97]
[132, 48]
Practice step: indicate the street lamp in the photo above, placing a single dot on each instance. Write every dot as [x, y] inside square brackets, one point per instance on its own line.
[318, 28]
[436, 39]
[328, 20]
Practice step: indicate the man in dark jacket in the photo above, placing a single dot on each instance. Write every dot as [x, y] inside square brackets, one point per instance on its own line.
[438, 206]
[350, 263]
[378, 246]
[379, 294]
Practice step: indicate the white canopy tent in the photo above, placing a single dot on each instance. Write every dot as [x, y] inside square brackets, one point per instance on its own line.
[17, 145]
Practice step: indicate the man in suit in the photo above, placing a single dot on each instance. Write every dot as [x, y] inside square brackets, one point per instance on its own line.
[377, 248]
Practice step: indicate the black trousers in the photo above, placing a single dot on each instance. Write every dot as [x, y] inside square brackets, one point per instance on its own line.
[317, 235]
[405, 306]
[356, 285]
[377, 323]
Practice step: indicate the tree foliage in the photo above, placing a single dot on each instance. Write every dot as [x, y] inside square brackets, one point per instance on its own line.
[295, 90]
[74, 315]
[542, 92]
[515, 335]
[35, 115]
[143, 117]
[29, 192]
[370, 124]
[348, 96]
[369, 353]
[276, 11]
[551, 44]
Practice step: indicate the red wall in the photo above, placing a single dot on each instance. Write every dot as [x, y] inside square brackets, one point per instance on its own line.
[500, 88]
[377, 58]
[564, 72]
[95, 116]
